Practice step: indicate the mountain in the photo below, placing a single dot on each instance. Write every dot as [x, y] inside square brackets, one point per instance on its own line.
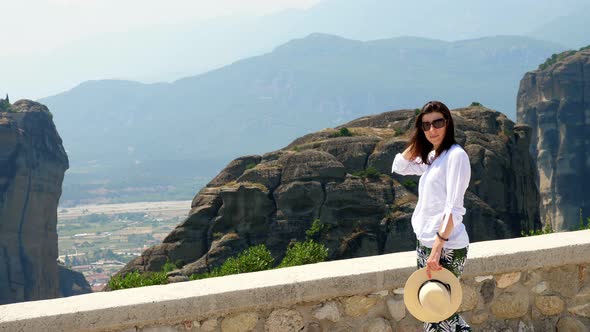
[345, 181]
[570, 30]
[32, 166]
[168, 52]
[126, 129]
[554, 101]
[451, 21]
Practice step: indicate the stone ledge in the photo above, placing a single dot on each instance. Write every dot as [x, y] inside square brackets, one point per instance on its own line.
[501, 256]
[174, 303]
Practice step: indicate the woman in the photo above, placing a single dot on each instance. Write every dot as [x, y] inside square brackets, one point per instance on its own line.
[444, 171]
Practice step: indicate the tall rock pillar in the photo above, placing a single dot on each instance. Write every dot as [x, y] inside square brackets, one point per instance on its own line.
[32, 166]
[555, 101]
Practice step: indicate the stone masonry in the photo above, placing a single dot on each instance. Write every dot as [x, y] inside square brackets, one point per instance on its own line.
[539, 283]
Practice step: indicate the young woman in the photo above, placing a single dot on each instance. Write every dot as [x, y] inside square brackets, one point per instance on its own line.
[444, 170]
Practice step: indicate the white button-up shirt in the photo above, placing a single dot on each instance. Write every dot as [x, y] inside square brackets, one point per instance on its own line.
[440, 193]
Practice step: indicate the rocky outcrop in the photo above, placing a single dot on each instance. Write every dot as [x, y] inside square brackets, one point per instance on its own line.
[32, 166]
[72, 282]
[555, 102]
[274, 198]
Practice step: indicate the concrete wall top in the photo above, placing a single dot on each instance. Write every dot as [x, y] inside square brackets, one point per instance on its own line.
[117, 310]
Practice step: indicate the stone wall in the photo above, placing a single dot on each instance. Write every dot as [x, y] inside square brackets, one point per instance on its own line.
[539, 283]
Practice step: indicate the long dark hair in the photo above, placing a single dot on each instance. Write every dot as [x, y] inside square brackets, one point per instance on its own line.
[419, 145]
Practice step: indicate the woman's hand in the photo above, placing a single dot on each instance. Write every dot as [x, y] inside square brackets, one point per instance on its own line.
[432, 264]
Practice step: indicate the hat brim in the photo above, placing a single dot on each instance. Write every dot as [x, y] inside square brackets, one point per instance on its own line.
[412, 301]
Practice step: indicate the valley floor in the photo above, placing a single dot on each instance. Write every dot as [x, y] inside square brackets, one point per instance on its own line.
[98, 240]
[167, 208]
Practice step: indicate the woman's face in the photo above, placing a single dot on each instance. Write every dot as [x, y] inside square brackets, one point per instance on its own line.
[430, 122]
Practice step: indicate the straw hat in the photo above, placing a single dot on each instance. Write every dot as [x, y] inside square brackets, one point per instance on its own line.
[432, 300]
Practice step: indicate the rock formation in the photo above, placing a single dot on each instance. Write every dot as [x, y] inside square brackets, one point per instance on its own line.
[32, 166]
[555, 102]
[274, 198]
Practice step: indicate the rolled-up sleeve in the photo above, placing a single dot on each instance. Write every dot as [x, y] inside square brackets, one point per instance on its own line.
[458, 176]
[403, 166]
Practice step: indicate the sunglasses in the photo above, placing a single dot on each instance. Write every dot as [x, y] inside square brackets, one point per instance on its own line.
[438, 123]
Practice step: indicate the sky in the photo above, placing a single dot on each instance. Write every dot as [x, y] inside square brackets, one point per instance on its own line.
[55, 23]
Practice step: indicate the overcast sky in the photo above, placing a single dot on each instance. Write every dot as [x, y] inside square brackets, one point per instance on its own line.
[38, 26]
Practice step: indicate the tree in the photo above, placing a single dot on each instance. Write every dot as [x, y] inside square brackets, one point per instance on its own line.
[5, 104]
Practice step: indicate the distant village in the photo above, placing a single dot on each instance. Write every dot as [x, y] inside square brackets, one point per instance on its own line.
[98, 245]
[97, 273]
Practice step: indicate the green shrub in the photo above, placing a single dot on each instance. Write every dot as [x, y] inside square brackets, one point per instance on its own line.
[550, 61]
[397, 131]
[475, 103]
[410, 184]
[554, 58]
[307, 252]
[256, 258]
[250, 165]
[582, 225]
[5, 105]
[136, 279]
[585, 48]
[546, 230]
[370, 172]
[343, 132]
[179, 264]
[416, 111]
[316, 231]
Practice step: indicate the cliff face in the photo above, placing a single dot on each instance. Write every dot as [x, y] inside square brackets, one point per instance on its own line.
[274, 198]
[32, 166]
[555, 103]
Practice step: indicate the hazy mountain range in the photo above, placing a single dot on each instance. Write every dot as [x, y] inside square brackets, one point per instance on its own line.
[166, 53]
[193, 126]
[164, 140]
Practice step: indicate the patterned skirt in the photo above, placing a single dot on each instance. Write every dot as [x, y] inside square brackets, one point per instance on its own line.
[452, 260]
